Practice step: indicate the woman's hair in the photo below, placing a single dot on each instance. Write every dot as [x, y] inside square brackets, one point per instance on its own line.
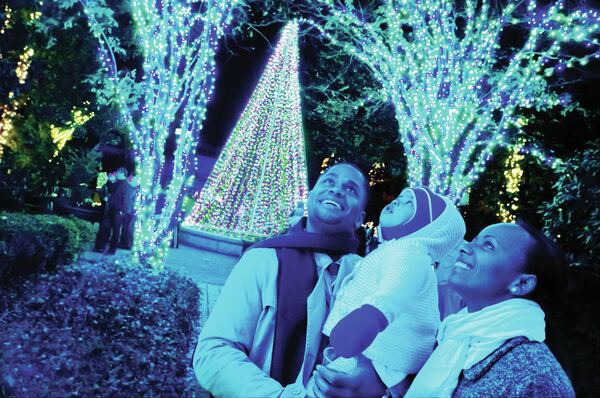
[548, 263]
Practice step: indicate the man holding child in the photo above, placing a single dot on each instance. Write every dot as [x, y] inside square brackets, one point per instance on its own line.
[263, 337]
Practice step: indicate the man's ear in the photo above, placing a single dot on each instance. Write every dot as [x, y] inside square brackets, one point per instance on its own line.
[523, 285]
[360, 220]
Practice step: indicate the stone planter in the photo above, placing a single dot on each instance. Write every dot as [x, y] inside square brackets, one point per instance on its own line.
[92, 215]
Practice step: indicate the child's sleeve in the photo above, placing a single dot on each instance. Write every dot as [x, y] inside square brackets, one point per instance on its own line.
[402, 276]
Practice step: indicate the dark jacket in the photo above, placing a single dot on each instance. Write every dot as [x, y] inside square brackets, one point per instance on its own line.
[117, 200]
[519, 368]
[130, 193]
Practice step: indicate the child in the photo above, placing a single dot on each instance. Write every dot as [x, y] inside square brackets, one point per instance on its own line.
[387, 308]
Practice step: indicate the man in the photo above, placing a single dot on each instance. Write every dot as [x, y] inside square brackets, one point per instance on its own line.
[133, 185]
[263, 337]
[104, 229]
[116, 209]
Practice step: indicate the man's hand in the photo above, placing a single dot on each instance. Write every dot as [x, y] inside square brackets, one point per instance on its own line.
[363, 381]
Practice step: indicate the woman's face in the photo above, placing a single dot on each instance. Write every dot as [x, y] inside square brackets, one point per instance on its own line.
[399, 211]
[488, 265]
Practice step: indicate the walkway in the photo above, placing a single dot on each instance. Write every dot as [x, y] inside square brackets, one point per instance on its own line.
[207, 269]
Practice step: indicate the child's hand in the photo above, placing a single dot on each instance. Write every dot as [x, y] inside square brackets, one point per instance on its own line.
[357, 330]
[362, 381]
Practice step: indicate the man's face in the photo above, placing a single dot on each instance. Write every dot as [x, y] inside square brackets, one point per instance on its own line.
[337, 201]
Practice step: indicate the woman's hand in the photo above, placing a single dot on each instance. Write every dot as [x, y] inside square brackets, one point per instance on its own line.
[363, 381]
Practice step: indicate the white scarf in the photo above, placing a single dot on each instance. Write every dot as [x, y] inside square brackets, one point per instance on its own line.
[464, 339]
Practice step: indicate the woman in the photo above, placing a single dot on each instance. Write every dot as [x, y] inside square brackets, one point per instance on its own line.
[494, 346]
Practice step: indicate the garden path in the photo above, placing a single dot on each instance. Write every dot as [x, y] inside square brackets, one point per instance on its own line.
[207, 269]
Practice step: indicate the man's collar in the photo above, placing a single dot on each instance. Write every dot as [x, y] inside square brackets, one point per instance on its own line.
[322, 259]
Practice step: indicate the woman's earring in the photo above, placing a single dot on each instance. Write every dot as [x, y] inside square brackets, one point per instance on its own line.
[513, 290]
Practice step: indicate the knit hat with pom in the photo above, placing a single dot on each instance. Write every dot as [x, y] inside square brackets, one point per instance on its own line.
[436, 221]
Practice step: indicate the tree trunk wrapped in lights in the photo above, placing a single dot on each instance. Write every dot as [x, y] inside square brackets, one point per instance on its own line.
[456, 86]
[178, 40]
[260, 176]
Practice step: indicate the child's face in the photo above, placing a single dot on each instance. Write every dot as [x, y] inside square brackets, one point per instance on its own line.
[400, 211]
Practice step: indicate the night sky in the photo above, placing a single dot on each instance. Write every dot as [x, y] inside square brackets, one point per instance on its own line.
[239, 68]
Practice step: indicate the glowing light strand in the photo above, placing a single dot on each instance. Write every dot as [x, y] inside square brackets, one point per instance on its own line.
[513, 173]
[454, 103]
[178, 43]
[7, 114]
[260, 176]
[61, 135]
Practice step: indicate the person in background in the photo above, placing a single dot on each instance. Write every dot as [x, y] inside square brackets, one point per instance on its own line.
[103, 233]
[494, 347]
[263, 337]
[133, 184]
[116, 209]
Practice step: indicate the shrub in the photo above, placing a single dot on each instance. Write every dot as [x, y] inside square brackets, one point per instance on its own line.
[573, 218]
[38, 243]
[104, 329]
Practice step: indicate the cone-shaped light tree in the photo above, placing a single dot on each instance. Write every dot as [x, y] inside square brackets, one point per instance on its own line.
[260, 176]
[459, 74]
[178, 41]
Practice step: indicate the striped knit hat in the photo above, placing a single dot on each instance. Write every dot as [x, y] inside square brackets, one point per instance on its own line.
[436, 220]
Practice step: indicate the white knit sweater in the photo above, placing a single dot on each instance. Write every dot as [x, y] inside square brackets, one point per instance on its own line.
[398, 279]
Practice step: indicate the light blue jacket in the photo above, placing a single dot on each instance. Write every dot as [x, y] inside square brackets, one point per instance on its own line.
[234, 351]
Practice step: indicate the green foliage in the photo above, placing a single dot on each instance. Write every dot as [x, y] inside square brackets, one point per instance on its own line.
[489, 192]
[573, 219]
[104, 329]
[572, 216]
[345, 115]
[39, 243]
[62, 77]
[81, 168]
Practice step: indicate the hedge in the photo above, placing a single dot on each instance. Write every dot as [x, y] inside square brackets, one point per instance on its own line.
[39, 243]
[99, 330]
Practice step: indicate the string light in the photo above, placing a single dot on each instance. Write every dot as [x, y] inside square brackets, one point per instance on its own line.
[23, 64]
[61, 135]
[513, 173]
[7, 23]
[260, 176]
[178, 43]
[327, 162]
[377, 173]
[455, 94]
[7, 114]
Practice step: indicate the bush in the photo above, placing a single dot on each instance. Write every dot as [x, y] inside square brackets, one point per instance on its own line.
[573, 218]
[101, 329]
[38, 243]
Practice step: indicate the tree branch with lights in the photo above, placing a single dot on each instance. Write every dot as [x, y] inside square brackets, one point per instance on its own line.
[178, 41]
[457, 88]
